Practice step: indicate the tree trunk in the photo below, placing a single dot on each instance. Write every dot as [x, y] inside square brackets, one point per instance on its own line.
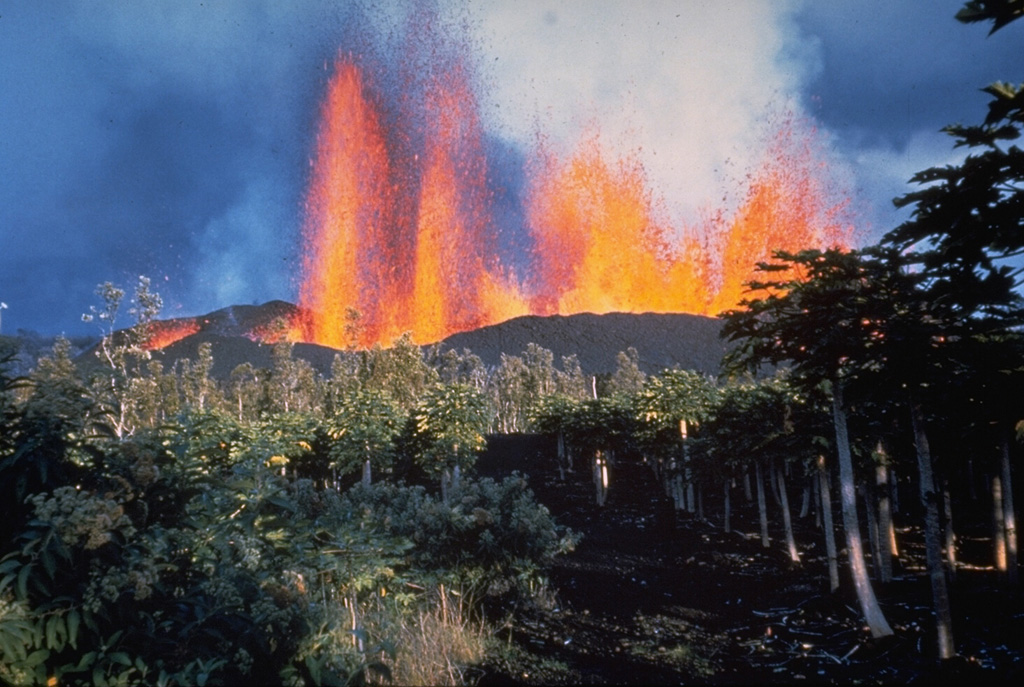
[950, 533]
[728, 507]
[818, 506]
[870, 512]
[456, 476]
[894, 494]
[367, 473]
[445, 478]
[825, 494]
[746, 486]
[787, 519]
[687, 470]
[1009, 514]
[773, 483]
[933, 553]
[561, 455]
[998, 524]
[885, 528]
[805, 500]
[873, 615]
[762, 510]
[600, 477]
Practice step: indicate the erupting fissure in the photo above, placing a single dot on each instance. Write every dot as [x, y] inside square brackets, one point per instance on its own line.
[400, 221]
[162, 333]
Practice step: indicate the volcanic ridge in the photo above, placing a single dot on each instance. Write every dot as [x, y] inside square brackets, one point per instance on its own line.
[244, 333]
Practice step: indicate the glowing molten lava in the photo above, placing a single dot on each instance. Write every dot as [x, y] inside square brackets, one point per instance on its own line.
[402, 239]
[162, 333]
[400, 221]
[603, 246]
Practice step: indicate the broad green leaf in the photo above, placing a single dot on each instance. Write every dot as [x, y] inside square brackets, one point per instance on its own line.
[74, 619]
[36, 657]
[23, 574]
[121, 658]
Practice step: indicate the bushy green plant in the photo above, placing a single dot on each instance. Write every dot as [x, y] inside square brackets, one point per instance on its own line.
[491, 537]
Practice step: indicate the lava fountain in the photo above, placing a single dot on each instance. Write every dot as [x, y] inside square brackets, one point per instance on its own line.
[399, 221]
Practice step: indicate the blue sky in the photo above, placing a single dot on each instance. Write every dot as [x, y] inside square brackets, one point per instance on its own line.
[173, 138]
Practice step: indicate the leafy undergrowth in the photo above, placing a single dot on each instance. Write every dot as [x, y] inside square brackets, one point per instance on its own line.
[652, 597]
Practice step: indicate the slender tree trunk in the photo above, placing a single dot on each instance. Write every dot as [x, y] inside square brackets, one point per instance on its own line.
[972, 480]
[762, 510]
[560, 443]
[445, 479]
[773, 483]
[367, 473]
[949, 532]
[894, 494]
[787, 519]
[818, 506]
[601, 477]
[746, 486]
[998, 524]
[1009, 514]
[872, 518]
[933, 553]
[728, 506]
[885, 528]
[456, 476]
[688, 471]
[873, 615]
[805, 500]
[825, 494]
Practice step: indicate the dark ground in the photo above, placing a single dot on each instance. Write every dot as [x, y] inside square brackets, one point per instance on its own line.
[652, 597]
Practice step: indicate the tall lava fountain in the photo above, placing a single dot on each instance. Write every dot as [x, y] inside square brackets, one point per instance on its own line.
[400, 219]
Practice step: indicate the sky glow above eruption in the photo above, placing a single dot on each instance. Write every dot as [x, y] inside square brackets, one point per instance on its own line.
[401, 223]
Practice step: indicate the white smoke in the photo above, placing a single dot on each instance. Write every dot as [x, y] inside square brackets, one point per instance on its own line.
[686, 85]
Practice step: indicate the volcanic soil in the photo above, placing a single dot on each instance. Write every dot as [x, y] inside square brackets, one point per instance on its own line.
[650, 596]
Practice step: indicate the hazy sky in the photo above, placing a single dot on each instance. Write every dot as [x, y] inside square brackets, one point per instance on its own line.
[172, 138]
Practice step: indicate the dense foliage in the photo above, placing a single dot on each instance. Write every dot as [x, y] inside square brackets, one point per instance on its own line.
[156, 532]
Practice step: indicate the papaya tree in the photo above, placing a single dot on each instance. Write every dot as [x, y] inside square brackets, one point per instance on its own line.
[363, 432]
[449, 424]
[668, 408]
[815, 322]
[553, 415]
[967, 217]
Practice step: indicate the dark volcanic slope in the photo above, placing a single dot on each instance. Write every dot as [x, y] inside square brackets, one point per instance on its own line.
[231, 351]
[662, 340]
